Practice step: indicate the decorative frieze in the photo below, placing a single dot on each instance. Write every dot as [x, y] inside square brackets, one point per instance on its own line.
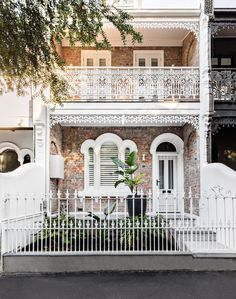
[124, 120]
[216, 28]
[219, 123]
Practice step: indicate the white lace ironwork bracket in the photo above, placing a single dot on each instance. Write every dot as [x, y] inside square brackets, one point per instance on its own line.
[217, 27]
[191, 26]
[123, 120]
[217, 124]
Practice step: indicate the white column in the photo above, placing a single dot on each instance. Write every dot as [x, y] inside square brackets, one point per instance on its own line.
[204, 88]
[41, 137]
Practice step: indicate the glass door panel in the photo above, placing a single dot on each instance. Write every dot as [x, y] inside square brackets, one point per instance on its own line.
[166, 182]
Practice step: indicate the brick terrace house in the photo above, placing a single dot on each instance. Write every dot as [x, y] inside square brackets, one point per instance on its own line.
[152, 98]
[143, 97]
[161, 98]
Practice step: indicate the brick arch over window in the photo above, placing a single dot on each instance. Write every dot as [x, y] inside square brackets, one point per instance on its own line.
[98, 168]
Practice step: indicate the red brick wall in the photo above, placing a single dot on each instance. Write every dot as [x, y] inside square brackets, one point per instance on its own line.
[191, 160]
[70, 140]
[190, 53]
[123, 56]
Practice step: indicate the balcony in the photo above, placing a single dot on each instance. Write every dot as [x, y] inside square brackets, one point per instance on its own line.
[223, 84]
[134, 84]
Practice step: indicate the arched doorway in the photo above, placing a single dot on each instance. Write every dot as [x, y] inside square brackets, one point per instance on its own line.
[167, 170]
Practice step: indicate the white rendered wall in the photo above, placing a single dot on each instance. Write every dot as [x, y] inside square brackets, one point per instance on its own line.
[21, 138]
[28, 179]
[15, 111]
[218, 205]
[218, 174]
[225, 3]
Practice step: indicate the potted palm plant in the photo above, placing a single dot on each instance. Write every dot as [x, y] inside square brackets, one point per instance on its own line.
[126, 170]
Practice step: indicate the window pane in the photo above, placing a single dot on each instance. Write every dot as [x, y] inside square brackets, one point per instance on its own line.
[166, 147]
[226, 61]
[154, 62]
[9, 161]
[141, 62]
[170, 174]
[107, 175]
[161, 174]
[102, 62]
[89, 62]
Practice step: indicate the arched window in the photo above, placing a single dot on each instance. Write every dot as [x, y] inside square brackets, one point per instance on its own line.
[11, 156]
[8, 161]
[166, 147]
[99, 170]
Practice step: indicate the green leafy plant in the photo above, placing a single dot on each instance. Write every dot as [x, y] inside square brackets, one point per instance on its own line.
[127, 171]
[32, 33]
[107, 211]
[140, 230]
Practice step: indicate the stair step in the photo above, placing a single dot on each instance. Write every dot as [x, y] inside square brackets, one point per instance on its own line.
[195, 235]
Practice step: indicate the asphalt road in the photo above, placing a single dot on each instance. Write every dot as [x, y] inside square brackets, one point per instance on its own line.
[167, 285]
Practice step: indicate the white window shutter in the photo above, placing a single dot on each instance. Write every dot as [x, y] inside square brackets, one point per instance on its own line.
[107, 167]
[127, 152]
[91, 166]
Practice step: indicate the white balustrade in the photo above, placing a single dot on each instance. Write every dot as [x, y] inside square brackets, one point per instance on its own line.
[133, 84]
[223, 84]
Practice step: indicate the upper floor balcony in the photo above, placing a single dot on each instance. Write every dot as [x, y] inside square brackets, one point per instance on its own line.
[163, 68]
[136, 84]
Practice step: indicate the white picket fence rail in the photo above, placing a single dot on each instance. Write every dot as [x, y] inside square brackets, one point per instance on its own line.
[66, 223]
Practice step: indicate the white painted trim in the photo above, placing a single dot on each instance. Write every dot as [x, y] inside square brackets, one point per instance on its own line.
[20, 152]
[96, 145]
[179, 145]
[167, 137]
[158, 53]
[95, 54]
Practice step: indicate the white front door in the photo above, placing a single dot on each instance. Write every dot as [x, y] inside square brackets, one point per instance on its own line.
[166, 182]
[98, 83]
[149, 85]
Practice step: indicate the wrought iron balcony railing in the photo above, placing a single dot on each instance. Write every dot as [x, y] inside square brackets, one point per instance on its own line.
[134, 83]
[223, 84]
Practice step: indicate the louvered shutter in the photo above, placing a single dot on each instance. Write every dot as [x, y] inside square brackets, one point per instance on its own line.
[107, 167]
[91, 166]
[127, 152]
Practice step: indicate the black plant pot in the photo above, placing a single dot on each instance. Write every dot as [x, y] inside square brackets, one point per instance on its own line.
[136, 205]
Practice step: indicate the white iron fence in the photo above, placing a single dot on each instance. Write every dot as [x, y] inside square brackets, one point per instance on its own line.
[134, 83]
[68, 223]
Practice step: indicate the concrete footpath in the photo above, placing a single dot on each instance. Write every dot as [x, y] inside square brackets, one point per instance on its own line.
[146, 285]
